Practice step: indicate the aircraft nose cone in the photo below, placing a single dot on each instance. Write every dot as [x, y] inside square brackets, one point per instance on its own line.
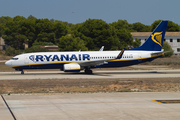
[8, 63]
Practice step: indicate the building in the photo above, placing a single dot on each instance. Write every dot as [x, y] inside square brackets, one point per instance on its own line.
[3, 46]
[173, 38]
[52, 48]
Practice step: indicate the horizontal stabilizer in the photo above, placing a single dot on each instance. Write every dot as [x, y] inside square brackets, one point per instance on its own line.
[161, 52]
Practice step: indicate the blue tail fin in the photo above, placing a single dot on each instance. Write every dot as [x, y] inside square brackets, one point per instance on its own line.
[155, 40]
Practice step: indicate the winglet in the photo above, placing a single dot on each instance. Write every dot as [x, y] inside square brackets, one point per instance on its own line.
[120, 54]
[101, 48]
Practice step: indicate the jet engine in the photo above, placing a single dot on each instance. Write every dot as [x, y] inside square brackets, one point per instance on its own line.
[72, 67]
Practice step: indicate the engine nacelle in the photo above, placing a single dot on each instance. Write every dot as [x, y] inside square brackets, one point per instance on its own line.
[72, 67]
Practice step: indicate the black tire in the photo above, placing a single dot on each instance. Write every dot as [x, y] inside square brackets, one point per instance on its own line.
[88, 71]
[22, 72]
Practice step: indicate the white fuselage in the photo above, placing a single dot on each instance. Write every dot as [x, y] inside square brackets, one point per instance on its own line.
[48, 60]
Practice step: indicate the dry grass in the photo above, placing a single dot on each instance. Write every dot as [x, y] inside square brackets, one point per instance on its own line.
[173, 61]
[89, 85]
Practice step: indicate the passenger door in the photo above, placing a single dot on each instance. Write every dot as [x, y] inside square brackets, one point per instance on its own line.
[26, 59]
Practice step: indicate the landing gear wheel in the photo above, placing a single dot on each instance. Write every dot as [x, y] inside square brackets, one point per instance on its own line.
[88, 71]
[22, 72]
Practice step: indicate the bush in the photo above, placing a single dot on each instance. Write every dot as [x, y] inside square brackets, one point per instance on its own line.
[42, 43]
[69, 43]
[167, 47]
[10, 51]
[36, 48]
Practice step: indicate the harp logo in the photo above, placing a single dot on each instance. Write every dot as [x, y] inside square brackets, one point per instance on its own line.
[156, 37]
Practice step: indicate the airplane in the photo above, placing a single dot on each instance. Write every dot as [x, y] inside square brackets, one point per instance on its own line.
[86, 60]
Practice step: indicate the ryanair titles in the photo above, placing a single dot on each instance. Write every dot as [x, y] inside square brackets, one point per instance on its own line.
[67, 57]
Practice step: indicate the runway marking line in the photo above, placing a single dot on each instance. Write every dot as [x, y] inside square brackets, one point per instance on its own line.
[166, 101]
[8, 107]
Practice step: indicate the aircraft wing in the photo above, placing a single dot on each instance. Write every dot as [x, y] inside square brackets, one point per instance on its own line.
[100, 62]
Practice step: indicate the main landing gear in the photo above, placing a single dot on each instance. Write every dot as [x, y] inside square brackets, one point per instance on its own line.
[22, 72]
[88, 71]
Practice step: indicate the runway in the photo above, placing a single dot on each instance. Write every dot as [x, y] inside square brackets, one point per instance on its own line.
[91, 106]
[96, 74]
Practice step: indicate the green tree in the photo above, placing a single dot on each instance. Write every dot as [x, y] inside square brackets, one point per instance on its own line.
[10, 51]
[139, 27]
[31, 17]
[3, 21]
[171, 27]
[43, 44]
[14, 33]
[21, 30]
[69, 43]
[19, 18]
[136, 43]
[122, 24]
[49, 31]
[35, 48]
[126, 40]
[167, 47]
[97, 33]
[28, 29]
[60, 29]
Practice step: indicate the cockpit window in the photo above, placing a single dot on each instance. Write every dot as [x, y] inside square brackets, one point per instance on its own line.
[14, 59]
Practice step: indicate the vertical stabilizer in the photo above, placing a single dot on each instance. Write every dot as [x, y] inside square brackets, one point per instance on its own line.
[155, 40]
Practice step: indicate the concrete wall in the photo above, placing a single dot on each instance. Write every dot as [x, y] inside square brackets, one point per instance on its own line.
[2, 44]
